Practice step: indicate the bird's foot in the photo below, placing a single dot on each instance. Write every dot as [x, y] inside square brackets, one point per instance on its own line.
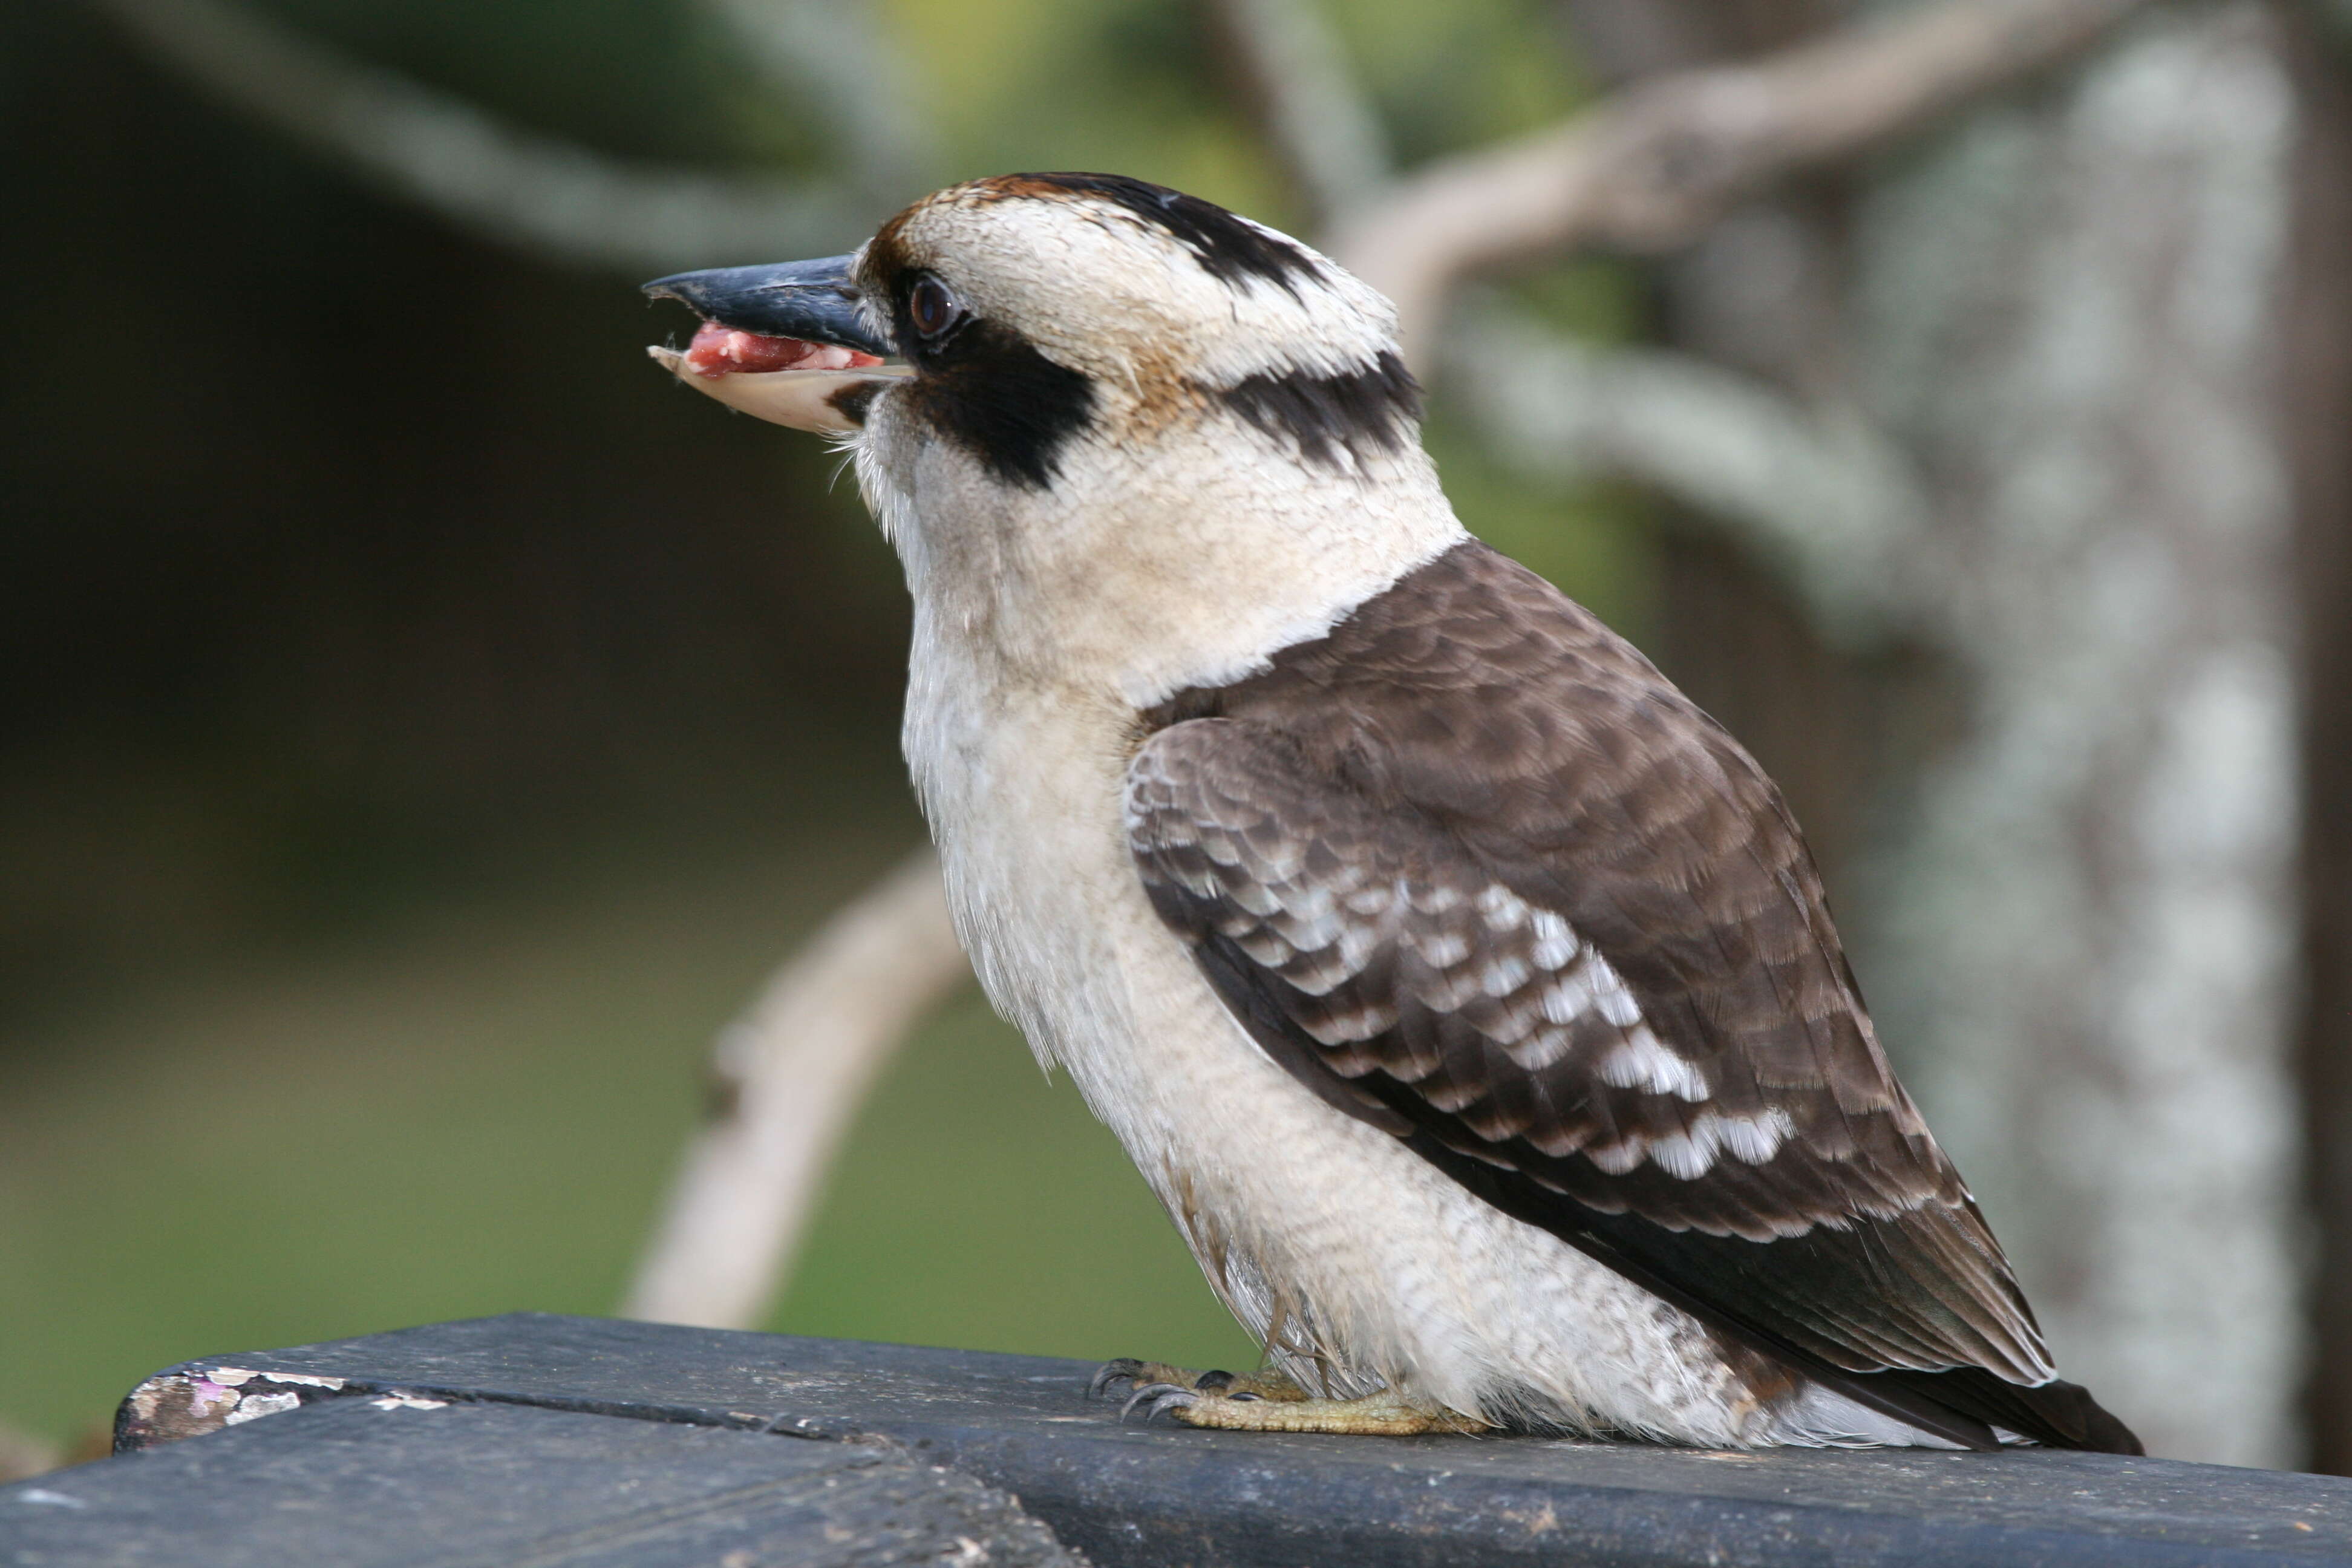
[1266, 1401]
[1128, 1377]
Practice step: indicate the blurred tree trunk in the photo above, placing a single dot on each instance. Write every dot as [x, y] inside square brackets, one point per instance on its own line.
[2319, 343]
[2067, 845]
[2083, 932]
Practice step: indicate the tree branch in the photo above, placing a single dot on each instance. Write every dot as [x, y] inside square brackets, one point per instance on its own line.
[515, 186]
[1820, 495]
[1817, 495]
[1297, 87]
[1653, 165]
[788, 1077]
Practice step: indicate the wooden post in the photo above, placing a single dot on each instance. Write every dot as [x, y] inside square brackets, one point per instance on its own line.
[580, 1441]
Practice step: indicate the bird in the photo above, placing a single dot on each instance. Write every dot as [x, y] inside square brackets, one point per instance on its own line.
[1468, 997]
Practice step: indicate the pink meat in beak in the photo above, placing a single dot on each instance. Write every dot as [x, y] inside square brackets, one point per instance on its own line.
[720, 351]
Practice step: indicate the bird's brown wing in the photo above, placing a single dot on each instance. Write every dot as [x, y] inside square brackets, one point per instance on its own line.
[1474, 872]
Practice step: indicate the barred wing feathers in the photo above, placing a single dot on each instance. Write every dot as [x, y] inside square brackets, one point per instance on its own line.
[1472, 872]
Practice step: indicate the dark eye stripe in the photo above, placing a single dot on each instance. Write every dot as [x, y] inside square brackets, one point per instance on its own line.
[990, 392]
[1359, 412]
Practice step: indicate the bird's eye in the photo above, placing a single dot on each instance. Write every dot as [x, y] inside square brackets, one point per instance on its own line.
[933, 309]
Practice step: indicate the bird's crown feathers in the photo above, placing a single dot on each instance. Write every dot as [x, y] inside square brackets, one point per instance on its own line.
[1114, 276]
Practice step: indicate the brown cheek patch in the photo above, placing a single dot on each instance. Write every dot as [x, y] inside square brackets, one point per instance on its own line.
[885, 253]
[1009, 187]
[1164, 397]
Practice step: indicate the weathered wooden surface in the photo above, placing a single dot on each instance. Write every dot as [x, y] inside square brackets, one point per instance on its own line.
[1129, 1494]
[360, 1482]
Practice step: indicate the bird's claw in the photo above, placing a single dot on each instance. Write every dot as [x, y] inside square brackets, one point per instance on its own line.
[1158, 1398]
[1152, 1387]
[1136, 1373]
[1125, 1369]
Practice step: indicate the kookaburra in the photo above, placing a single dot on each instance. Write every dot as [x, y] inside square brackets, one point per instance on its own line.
[1466, 993]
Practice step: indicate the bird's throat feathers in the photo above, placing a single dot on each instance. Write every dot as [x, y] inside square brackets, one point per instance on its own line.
[1149, 564]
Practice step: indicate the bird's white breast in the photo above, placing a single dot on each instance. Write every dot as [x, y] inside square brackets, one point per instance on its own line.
[1044, 624]
[1357, 1257]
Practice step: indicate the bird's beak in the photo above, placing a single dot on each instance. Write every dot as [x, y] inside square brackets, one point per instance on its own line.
[787, 343]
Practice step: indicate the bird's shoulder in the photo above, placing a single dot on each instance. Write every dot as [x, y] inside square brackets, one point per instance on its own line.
[1475, 719]
[1474, 692]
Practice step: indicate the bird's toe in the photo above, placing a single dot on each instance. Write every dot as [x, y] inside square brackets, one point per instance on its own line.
[1125, 1375]
[1158, 1399]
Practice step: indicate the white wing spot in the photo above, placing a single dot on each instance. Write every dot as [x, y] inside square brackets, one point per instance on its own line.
[1753, 1139]
[1313, 934]
[1318, 975]
[1516, 1020]
[1689, 1155]
[1503, 909]
[1361, 1024]
[1254, 897]
[1442, 950]
[1565, 999]
[1504, 975]
[1547, 1047]
[1616, 1003]
[1641, 1061]
[1620, 1157]
[1556, 944]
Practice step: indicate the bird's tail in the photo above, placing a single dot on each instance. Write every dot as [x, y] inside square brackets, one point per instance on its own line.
[2056, 1415]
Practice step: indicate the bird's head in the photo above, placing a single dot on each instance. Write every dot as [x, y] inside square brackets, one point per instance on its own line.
[1091, 373]
[1030, 309]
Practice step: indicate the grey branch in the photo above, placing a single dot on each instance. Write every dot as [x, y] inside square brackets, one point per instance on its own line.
[1820, 495]
[1653, 165]
[790, 1077]
[518, 187]
[1297, 85]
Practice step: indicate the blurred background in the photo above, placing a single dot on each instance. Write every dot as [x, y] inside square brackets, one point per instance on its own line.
[426, 725]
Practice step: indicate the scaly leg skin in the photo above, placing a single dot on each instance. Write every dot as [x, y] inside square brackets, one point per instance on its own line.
[1267, 1402]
